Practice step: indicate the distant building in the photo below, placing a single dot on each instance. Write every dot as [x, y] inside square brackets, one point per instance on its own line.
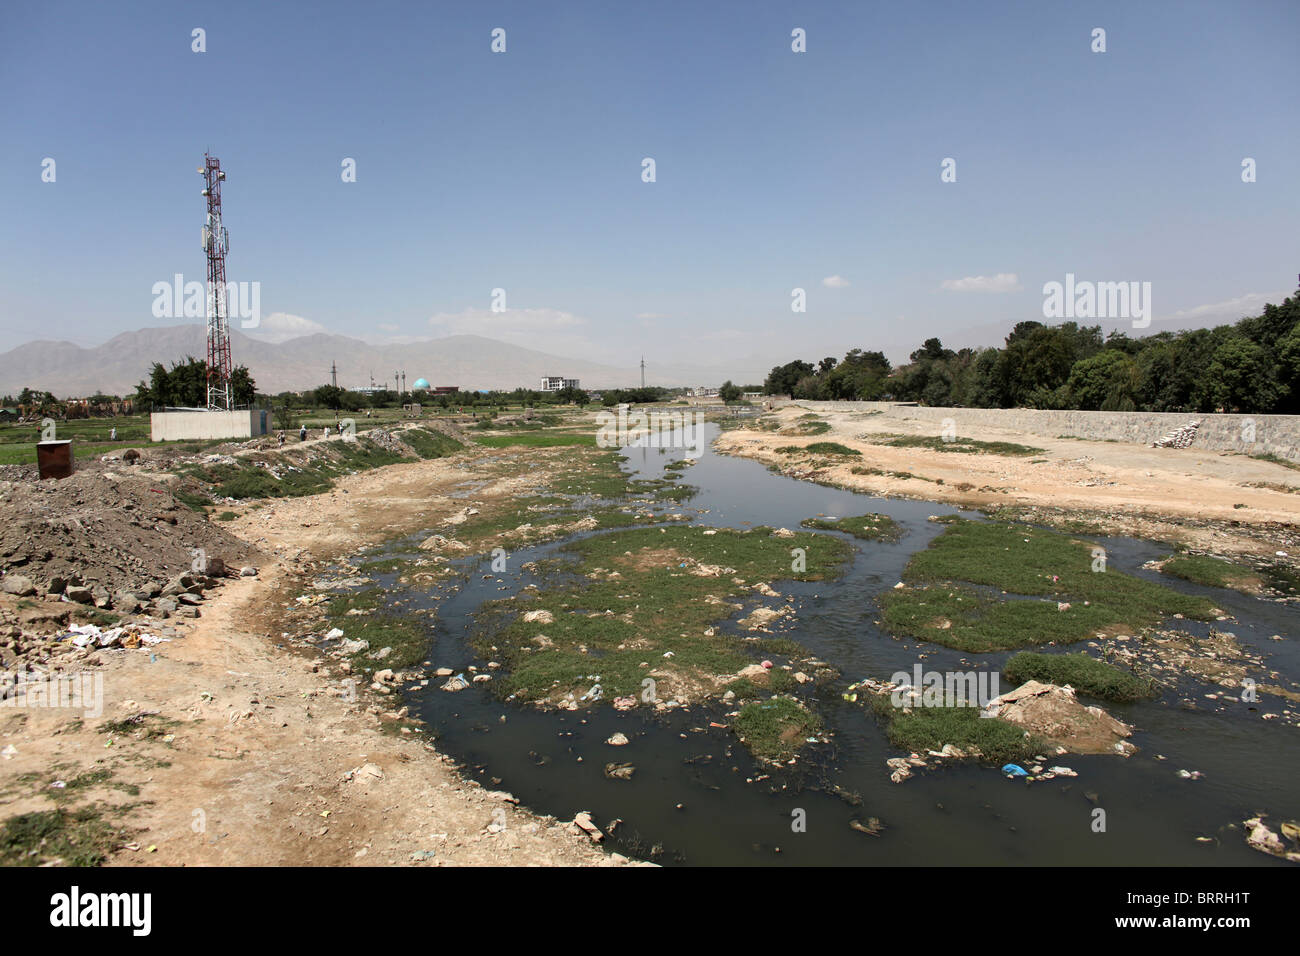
[445, 389]
[555, 383]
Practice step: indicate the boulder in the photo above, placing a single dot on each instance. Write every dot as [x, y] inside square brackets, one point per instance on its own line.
[17, 584]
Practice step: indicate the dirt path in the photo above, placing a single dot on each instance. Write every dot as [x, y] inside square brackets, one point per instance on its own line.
[1201, 498]
[247, 753]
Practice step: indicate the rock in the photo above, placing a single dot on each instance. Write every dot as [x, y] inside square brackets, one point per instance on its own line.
[582, 821]
[617, 740]
[248, 572]
[192, 600]
[385, 676]
[165, 606]
[79, 594]
[455, 683]
[619, 771]
[539, 617]
[17, 584]
[126, 602]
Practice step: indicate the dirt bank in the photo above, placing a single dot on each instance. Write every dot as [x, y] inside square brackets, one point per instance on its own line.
[225, 746]
[1207, 500]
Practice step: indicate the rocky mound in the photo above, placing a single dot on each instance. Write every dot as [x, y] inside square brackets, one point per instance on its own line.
[104, 531]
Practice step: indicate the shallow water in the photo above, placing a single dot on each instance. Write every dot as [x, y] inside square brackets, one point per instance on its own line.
[689, 802]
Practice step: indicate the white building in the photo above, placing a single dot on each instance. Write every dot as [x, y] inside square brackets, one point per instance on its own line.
[556, 383]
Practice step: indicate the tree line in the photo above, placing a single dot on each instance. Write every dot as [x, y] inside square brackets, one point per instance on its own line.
[1251, 366]
[185, 385]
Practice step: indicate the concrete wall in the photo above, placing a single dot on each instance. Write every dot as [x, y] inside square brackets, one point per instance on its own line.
[1274, 434]
[181, 426]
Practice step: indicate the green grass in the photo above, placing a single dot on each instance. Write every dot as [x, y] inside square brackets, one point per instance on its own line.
[942, 605]
[807, 428]
[869, 527]
[819, 448]
[73, 837]
[967, 446]
[1215, 572]
[409, 637]
[1085, 674]
[922, 729]
[297, 474]
[776, 728]
[655, 606]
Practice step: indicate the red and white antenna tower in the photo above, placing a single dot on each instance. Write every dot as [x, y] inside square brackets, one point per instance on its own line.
[215, 244]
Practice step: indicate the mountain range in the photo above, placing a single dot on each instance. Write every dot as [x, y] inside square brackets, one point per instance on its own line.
[468, 361]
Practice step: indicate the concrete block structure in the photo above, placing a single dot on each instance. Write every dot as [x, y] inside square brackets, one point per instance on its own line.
[201, 424]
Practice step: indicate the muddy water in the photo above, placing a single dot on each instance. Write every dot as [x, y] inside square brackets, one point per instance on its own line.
[696, 799]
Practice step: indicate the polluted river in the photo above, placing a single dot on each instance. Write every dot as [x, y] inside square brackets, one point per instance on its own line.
[695, 794]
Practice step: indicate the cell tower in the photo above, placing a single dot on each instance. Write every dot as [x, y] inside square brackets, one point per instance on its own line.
[215, 244]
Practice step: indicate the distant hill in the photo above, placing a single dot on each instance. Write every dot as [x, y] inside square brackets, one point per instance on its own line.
[469, 361]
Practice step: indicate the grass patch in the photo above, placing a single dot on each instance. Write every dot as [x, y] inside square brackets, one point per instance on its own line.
[818, 448]
[943, 605]
[869, 527]
[807, 428]
[1214, 572]
[922, 729]
[776, 728]
[409, 637]
[70, 837]
[637, 602]
[967, 446]
[1085, 674]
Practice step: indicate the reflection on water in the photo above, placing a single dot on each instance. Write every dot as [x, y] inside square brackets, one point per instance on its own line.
[689, 800]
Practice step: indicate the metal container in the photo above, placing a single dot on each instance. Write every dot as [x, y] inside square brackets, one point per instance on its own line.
[54, 458]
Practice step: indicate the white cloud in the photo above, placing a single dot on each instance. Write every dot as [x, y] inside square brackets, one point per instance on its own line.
[1002, 282]
[1252, 303]
[650, 315]
[280, 327]
[388, 326]
[835, 282]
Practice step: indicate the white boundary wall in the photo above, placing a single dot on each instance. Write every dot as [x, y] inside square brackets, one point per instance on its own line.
[1246, 434]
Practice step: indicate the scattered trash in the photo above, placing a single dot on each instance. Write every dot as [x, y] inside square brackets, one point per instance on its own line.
[1190, 774]
[1014, 770]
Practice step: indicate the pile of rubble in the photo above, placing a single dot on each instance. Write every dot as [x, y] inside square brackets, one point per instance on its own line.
[1181, 437]
[108, 539]
[390, 442]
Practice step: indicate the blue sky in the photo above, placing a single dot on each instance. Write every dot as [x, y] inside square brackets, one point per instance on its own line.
[774, 170]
